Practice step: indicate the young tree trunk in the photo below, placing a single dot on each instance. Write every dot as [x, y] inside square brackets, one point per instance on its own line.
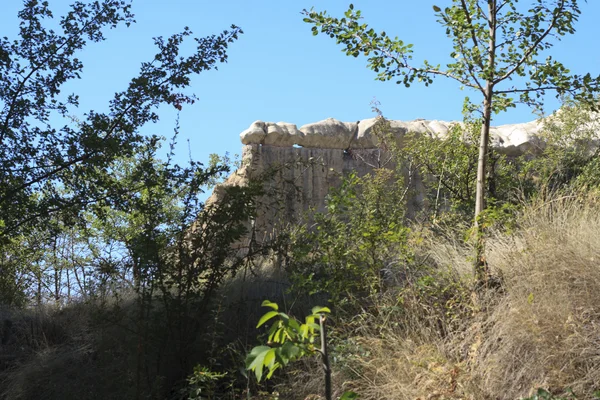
[480, 265]
[325, 359]
[483, 154]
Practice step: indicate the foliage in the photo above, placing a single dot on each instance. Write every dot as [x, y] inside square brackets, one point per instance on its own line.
[497, 50]
[175, 251]
[517, 38]
[53, 161]
[569, 156]
[450, 167]
[88, 209]
[217, 161]
[360, 237]
[289, 340]
[201, 384]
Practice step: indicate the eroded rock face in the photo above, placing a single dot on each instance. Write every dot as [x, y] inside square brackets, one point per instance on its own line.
[309, 161]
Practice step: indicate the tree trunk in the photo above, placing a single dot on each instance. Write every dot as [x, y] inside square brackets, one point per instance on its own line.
[483, 154]
[480, 265]
[325, 358]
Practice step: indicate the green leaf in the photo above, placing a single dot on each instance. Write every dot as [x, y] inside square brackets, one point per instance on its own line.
[251, 357]
[269, 359]
[288, 352]
[277, 336]
[266, 317]
[304, 331]
[268, 303]
[272, 370]
[285, 318]
[318, 309]
[294, 324]
[273, 331]
[257, 363]
[349, 396]
[436, 9]
[314, 327]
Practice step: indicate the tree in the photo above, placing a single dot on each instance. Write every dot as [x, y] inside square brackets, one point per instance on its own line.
[176, 251]
[38, 157]
[497, 50]
[359, 241]
[53, 159]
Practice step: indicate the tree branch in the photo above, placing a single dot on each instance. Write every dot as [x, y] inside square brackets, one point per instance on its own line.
[534, 46]
[472, 30]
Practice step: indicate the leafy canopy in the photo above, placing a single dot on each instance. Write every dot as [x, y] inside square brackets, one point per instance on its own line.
[54, 158]
[497, 42]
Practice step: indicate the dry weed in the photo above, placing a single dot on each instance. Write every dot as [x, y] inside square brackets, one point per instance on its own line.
[545, 332]
[541, 330]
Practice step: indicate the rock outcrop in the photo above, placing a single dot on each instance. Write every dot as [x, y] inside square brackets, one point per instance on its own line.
[333, 134]
[308, 161]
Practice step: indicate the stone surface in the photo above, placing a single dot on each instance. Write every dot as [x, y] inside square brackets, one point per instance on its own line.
[329, 134]
[309, 161]
[516, 139]
[511, 139]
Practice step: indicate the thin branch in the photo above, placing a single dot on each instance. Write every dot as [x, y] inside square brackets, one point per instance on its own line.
[37, 68]
[471, 71]
[446, 74]
[501, 6]
[472, 30]
[537, 89]
[403, 63]
[533, 47]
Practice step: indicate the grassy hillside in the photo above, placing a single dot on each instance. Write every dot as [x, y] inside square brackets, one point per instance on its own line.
[427, 336]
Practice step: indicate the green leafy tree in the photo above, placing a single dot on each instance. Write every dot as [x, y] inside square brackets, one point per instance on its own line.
[497, 52]
[569, 158]
[51, 161]
[175, 250]
[37, 156]
[361, 237]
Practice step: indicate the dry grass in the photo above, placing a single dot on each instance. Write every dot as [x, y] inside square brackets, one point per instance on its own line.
[88, 351]
[541, 330]
[546, 331]
[399, 368]
[58, 357]
[424, 340]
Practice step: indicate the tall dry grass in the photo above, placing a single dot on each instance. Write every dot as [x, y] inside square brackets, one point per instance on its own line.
[545, 332]
[542, 329]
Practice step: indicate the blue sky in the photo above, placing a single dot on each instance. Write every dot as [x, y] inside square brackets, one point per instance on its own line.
[277, 71]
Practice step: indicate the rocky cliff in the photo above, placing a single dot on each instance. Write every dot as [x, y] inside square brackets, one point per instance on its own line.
[333, 134]
[306, 162]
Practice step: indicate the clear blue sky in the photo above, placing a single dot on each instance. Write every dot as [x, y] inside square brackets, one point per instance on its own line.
[277, 71]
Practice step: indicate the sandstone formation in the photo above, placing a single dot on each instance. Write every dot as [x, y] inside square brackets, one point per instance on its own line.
[308, 161]
[511, 139]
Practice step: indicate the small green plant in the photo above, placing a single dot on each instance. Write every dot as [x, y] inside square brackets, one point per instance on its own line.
[289, 340]
[201, 384]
